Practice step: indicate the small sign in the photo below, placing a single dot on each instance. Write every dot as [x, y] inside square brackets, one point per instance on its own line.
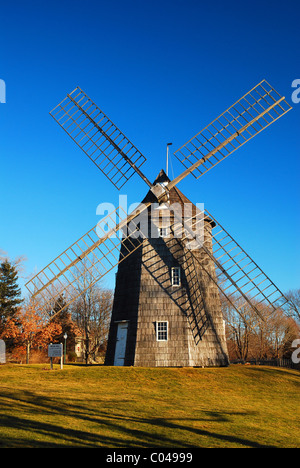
[55, 350]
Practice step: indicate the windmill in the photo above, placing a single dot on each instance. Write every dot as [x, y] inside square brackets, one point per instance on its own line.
[167, 305]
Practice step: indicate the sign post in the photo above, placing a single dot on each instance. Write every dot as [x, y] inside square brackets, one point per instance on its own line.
[55, 350]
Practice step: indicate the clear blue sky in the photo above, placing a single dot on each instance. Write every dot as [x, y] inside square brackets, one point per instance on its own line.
[161, 70]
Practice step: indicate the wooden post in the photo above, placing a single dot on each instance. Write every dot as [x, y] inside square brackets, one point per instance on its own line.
[61, 357]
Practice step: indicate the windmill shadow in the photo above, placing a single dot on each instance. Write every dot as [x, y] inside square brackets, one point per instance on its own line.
[188, 297]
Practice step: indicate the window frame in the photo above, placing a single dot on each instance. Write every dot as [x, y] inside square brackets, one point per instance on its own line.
[164, 330]
[173, 276]
[163, 232]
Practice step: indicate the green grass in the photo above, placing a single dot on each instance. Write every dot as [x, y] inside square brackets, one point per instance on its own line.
[238, 406]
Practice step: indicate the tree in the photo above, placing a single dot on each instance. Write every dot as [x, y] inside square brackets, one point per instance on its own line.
[10, 293]
[29, 328]
[3, 255]
[249, 337]
[51, 332]
[30, 322]
[64, 320]
[282, 331]
[294, 303]
[238, 329]
[91, 312]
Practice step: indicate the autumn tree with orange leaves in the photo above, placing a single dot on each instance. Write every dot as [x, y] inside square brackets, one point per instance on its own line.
[29, 328]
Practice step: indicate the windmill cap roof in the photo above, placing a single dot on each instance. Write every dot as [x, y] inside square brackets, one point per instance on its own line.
[175, 195]
[161, 178]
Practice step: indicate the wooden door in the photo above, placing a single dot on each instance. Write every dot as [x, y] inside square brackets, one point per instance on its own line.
[121, 344]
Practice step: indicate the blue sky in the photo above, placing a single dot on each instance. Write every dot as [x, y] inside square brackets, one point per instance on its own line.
[161, 70]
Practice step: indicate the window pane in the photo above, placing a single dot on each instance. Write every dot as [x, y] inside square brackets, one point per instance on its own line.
[176, 276]
[162, 331]
[163, 232]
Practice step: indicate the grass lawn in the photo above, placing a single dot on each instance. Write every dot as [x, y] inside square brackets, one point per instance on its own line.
[238, 406]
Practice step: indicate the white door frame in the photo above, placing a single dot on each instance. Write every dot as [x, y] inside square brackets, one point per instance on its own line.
[121, 341]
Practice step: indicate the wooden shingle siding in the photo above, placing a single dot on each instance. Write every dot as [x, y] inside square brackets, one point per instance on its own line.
[144, 295]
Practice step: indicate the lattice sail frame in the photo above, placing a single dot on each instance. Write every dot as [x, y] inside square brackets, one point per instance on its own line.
[251, 114]
[87, 260]
[100, 139]
[240, 280]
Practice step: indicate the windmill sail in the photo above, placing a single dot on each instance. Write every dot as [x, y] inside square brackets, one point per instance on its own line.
[88, 260]
[251, 114]
[237, 275]
[100, 139]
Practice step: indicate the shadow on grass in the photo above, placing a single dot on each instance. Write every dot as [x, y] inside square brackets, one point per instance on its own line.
[36, 421]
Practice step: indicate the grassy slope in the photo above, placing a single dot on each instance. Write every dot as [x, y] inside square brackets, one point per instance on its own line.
[139, 407]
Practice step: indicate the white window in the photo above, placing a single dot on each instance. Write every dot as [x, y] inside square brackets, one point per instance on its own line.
[162, 331]
[175, 276]
[163, 232]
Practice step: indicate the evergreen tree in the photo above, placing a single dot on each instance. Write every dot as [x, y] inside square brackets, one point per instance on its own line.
[58, 305]
[9, 291]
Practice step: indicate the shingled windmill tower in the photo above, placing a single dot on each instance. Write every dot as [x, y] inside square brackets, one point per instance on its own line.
[167, 310]
[169, 286]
